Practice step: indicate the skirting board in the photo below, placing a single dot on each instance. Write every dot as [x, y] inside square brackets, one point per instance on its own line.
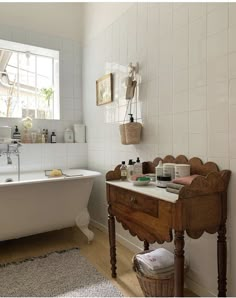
[197, 289]
[119, 238]
[191, 285]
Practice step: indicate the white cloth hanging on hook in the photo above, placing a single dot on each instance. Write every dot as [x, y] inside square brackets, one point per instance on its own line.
[131, 81]
[130, 89]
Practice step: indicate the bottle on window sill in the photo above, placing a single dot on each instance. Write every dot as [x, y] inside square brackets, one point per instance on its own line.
[46, 136]
[16, 134]
[53, 137]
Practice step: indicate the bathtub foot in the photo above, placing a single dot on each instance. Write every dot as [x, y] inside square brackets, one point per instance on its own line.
[88, 233]
[82, 222]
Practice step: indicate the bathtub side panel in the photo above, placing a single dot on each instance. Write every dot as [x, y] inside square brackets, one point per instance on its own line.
[41, 207]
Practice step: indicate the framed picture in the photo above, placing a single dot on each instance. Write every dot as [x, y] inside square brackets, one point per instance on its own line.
[104, 89]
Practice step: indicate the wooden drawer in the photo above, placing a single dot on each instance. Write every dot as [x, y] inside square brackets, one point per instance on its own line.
[133, 200]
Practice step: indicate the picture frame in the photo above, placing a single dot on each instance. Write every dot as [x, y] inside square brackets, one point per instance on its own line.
[104, 89]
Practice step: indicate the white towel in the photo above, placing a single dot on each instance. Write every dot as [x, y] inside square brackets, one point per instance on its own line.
[155, 274]
[157, 259]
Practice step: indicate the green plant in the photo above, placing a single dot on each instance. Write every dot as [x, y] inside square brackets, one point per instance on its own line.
[47, 93]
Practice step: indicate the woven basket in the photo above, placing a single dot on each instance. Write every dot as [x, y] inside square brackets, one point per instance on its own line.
[160, 286]
[130, 133]
[122, 134]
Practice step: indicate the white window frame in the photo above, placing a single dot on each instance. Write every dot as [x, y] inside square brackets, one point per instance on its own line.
[38, 51]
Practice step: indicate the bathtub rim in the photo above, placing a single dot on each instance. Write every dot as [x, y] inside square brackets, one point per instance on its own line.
[91, 174]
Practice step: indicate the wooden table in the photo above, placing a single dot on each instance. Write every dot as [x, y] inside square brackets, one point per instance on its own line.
[154, 215]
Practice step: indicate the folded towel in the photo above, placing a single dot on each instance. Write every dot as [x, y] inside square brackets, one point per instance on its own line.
[154, 273]
[185, 180]
[157, 259]
[173, 190]
[164, 273]
[174, 185]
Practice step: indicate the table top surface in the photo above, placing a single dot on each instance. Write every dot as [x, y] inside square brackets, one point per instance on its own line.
[150, 190]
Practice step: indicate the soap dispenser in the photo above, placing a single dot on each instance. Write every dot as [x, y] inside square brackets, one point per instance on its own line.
[16, 134]
[130, 169]
[131, 119]
[138, 167]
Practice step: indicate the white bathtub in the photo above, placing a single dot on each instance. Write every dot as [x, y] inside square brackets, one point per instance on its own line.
[39, 204]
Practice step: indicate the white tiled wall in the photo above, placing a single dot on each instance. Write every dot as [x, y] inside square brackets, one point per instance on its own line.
[70, 77]
[40, 157]
[187, 57]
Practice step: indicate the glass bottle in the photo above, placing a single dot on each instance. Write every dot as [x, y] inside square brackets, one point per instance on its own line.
[53, 137]
[123, 171]
[130, 169]
[138, 167]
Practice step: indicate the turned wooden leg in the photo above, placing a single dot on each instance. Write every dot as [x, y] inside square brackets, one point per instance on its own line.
[146, 245]
[179, 263]
[222, 261]
[112, 241]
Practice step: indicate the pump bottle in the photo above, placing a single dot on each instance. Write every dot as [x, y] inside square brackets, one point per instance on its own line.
[130, 169]
[131, 118]
[16, 134]
[138, 167]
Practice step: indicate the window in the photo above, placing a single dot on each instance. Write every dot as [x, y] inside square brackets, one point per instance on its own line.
[29, 81]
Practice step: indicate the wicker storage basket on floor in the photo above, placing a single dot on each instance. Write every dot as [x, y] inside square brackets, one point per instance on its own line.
[160, 286]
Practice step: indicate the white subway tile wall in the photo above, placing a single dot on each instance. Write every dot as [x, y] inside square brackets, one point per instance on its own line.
[40, 157]
[187, 56]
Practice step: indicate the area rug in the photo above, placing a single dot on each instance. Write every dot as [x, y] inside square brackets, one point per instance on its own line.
[57, 274]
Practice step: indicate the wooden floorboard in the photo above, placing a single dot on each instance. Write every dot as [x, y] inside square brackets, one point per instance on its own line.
[96, 252]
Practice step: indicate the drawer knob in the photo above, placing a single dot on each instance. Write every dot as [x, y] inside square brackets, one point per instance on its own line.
[133, 200]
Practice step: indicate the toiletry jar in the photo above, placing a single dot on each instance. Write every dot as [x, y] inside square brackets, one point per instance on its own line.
[5, 134]
[162, 181]
[182, 170]
[5, 131]
[68, 136]
[169, 170]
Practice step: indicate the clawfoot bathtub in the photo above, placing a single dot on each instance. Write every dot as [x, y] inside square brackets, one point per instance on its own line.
[38, 204]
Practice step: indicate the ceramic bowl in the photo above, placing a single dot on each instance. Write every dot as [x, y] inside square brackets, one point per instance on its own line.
[141, 183]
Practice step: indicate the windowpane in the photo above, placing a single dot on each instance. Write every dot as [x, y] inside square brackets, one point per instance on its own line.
[8, 106]
[29, 82]
[44, 66]
[43, 82]
[12, 73]
[27, 61]
[13, 58]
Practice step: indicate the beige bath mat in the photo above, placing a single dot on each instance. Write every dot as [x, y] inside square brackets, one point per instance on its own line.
[66, 274]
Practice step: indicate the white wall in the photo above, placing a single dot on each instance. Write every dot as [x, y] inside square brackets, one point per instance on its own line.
[187, 56]
[59, 19]
[55, 26]
[97, 17]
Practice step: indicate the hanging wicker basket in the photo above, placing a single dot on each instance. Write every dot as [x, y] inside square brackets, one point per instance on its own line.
[130, 133]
